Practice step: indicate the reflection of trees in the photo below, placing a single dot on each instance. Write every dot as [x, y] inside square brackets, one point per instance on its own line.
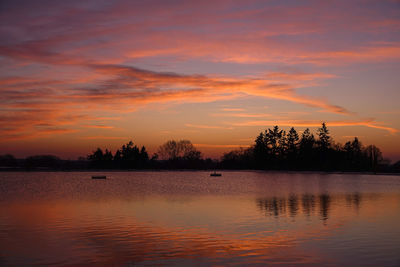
[290, 205]
[273, 206]
[324, 205]
[293, 205]
[308, 203]
[354, 200]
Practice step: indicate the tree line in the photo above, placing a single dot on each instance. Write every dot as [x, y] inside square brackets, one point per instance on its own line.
[273, 149]
[170, 155]
[276, 149]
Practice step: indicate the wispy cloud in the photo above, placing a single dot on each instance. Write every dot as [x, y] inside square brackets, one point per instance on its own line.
[69, 62]
[207, 126]
[316, 123]
[100, 126]
[297, 76]
[242, 115]
[220, 146]
[126, 88]
[232, 109]
[100, 137]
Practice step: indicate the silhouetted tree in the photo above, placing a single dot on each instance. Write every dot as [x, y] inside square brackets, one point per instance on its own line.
[272, 149]
[43, 162]
[292, 147]
[273, 138]
[128, 156]
[8, 161]
[353, 155]
[306, 149]
[96, 158]
[97, 155]
[132, 157]
[324, 140]
[107, 155]
[181, 154]
[396, 167]
[107, 159]
[324, 148]
[117, 156]
[144, 154]
[374, 157]
[276, 149]
[292, 141]
[183, 149]
[260, 151]
[238, 159]
[283, 146]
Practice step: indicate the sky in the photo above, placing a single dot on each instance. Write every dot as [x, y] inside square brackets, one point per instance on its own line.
[77, 75]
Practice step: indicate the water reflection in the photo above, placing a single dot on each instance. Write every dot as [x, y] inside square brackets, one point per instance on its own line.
[354, 200]
[308, 204]
[290, 205]
[324, 201]
[180, 219]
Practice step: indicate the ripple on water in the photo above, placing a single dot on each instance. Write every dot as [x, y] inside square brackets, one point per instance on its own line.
[181, 218]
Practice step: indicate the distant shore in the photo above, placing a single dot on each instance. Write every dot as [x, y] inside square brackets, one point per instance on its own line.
[199, 170]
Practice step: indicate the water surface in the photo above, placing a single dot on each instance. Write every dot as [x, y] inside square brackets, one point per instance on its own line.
[182, 218]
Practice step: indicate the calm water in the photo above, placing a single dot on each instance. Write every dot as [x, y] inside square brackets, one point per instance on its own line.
[182, 218]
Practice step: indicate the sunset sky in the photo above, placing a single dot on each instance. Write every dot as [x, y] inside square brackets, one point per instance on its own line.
[76, 75]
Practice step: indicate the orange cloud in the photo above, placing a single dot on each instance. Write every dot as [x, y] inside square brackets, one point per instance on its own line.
[126, 88]
[361, 54]
[100, 137]
[211, 87]
[207, 126]
[241, 115]
[80, 65]
[233, 109]
[100, 126]
[220, 146]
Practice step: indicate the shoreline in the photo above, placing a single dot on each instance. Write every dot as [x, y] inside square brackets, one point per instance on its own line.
[205, 170]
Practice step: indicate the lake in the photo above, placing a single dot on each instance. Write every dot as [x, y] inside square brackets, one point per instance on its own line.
[189, 218]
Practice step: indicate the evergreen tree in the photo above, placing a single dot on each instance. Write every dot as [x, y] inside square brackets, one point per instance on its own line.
[283, 146]
[260, 151]
[325, 155]
[306, 149]
[307, 141]
[272, 139]
[292, 146]
[107, 156]
[96, 158]
[353, 155]
[292, 140]
[324, 141]
[118, 156]
[97, 155]
[143, 154]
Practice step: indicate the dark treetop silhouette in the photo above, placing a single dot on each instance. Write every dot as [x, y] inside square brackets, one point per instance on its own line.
[273, 149]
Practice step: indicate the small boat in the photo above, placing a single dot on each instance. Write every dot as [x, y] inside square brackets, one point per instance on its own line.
[99, 177]
[215, 174]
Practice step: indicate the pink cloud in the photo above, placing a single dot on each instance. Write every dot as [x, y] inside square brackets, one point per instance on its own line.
[98, 44]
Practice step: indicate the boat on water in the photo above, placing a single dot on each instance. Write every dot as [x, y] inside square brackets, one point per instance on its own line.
[215, 174]
[99, 177]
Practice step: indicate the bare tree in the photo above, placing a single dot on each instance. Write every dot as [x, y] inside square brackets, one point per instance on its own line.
[182, 149]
